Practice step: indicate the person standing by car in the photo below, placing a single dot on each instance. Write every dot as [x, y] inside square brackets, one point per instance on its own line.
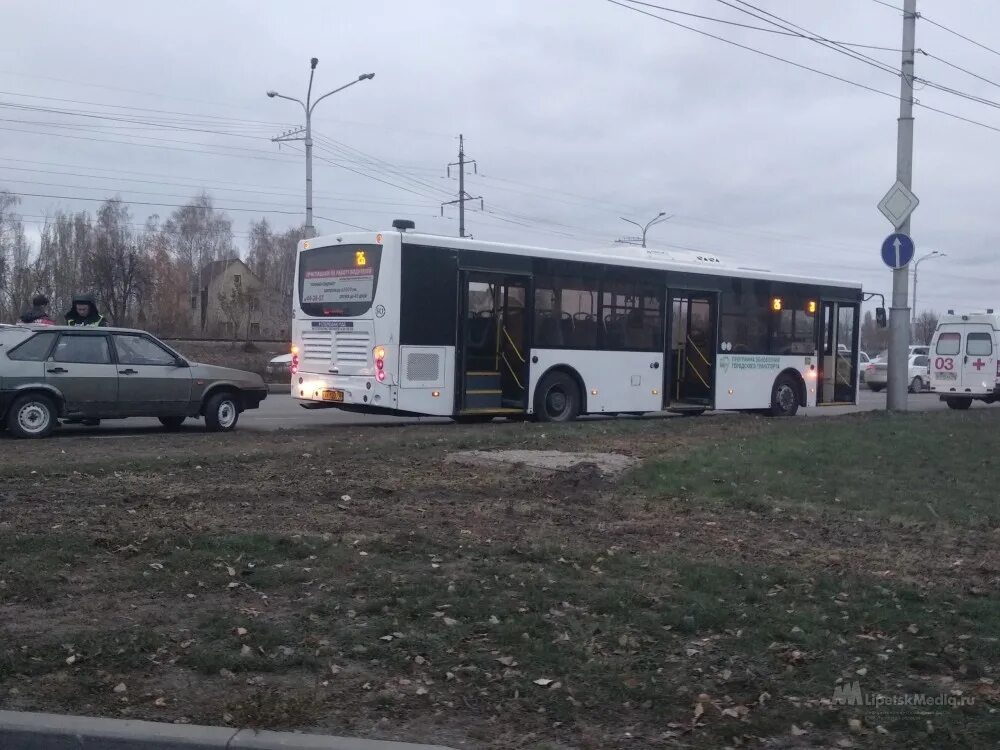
[84, 312]
[38, 313]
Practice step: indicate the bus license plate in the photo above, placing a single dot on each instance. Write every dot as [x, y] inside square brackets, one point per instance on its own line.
[329, 395]
[946, 375]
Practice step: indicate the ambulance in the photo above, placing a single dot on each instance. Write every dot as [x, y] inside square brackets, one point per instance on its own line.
[965, 366]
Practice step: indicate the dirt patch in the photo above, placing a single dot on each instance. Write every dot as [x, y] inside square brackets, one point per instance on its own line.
[605, 464]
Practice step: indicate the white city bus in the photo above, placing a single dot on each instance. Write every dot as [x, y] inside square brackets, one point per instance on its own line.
[406, 323]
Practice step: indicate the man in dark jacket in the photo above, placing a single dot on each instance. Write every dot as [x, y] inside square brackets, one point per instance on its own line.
[84, 312]
[37, 313]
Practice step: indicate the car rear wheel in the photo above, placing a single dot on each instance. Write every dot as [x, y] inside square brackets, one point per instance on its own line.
[916, 385]
[172, 423]
[222, 412]
[958, 403]
[32, 416]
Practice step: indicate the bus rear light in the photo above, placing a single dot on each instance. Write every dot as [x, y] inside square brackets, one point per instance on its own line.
[294, 350]
[435, 394]
[294, 367]
[380, 375]
[379, 352]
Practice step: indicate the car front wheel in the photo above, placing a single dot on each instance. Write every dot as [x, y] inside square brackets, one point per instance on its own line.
[32, 416]
[222, 412]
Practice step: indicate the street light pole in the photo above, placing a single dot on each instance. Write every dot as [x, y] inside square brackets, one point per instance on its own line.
[658, 219]
[916, 265]
[305, 134]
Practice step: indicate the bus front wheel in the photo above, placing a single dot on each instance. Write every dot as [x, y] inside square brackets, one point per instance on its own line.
[557, 398]
[784, 397]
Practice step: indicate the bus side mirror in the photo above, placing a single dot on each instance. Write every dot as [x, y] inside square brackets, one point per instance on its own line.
[880, 317]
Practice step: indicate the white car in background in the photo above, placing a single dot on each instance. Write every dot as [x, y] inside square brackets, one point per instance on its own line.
[280, 366]
[919, 375]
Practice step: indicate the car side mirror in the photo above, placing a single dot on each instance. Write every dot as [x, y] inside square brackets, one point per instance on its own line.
[179, 362]
[880, 318]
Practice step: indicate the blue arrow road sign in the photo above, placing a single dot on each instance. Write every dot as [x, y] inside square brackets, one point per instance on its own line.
[897, 250]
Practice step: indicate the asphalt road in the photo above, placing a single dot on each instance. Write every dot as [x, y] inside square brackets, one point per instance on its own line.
[279, 411]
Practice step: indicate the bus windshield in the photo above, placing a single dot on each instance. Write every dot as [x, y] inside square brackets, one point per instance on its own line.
[339, 280]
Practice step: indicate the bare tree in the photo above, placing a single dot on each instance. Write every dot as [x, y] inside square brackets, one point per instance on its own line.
[198, 235]
[241, 307]
[17, 276]
[117, 265]
[924, 327]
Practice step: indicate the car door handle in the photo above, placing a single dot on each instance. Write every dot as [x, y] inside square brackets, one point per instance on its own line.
[57, 370]
[128, 371]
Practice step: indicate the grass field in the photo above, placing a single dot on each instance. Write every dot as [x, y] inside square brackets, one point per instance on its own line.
[358, 582]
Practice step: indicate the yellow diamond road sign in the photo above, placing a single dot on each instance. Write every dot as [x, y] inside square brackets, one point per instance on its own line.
[898, 204]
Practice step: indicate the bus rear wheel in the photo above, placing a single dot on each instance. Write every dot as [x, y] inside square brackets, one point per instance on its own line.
[557, 398]
[958, 403]
[784, 397]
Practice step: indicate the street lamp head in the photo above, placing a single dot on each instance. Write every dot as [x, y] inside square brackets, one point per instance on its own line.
[272, 94]
[313, 63]
[366, 76]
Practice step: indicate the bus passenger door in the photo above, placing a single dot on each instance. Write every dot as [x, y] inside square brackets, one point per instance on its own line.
[689, 380]
[493, 367]
[838, 354]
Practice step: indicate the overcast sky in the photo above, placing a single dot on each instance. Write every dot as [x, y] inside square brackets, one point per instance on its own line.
[577, 111]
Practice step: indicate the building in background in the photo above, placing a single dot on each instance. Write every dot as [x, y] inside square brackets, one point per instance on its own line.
[233, 303]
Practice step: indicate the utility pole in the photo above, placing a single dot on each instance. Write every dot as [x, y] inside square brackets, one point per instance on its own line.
[899, 318]
[462, 195]
[305, 133]
[658, 219]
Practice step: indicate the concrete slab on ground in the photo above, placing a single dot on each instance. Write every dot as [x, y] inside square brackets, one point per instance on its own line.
[607, 464]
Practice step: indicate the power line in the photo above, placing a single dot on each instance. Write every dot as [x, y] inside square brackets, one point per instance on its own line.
[262, 157]
[181, 195]
[959, 68]
[960, 36]
[727, 22]
[755, 50]
[822, 41]
[173, 205]
[941, 26]
[823, 73]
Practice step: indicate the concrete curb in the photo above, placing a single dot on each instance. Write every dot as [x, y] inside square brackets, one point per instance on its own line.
[34, 731]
